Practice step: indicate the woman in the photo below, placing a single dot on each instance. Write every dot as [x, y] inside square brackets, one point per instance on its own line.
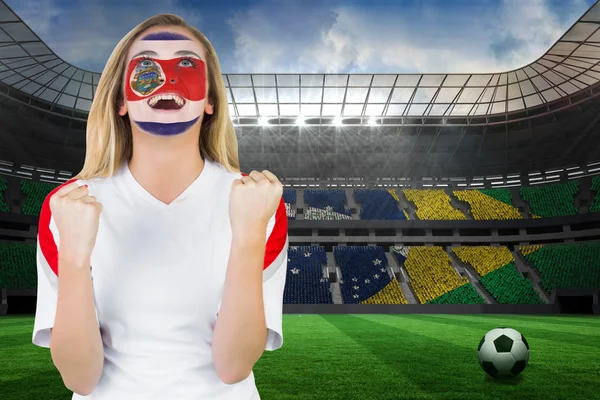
[172, 263]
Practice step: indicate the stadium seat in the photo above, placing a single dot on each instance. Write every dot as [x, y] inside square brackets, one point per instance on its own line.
[489, 204]
[566, 266]
[289, 198]
[498, 274]
[378, 204]
[433, 278]
[595, 204]
[551, 200]
[35, 194]
[365, 277]
[326, 205]
[17, 266]
[3, 186]
[305, 283]
[433, 204]
[395, 196]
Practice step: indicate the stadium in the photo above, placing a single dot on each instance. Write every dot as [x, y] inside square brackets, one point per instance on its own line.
[423, 211]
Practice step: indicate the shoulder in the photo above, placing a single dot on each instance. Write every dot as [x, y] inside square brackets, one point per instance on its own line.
[224, 173]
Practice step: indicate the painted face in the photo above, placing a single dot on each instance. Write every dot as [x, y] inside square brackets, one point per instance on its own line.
[165, 83]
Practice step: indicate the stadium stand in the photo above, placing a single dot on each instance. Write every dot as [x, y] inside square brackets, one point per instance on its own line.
[305, 283]
[489, 204]
[378, 204]
[595, 205]
[395, 196]
[3, 186]
[35, 194]
[551, 200]
[365, 278]
[290, 211]
[433, 278]
[566, 266]
[289, 198]
[433, 204]
[17, 266]
[498, 274]
[326, 205]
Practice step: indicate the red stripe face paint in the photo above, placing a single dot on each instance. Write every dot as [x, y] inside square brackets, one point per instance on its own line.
[183, 76]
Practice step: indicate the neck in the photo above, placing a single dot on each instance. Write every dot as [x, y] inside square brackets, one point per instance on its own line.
[165, 167]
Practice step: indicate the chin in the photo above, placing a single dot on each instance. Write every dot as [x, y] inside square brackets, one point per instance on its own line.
[167, 128]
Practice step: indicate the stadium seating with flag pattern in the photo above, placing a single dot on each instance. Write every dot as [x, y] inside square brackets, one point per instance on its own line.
[433, 204]
[378, 204]
[326, 205]
[551, 200]
[489, 204]
[364, 272]
[566, 266]
[497, 273]
[305, 283]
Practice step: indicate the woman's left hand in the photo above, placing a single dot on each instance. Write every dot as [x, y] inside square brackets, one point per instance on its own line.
[253, 201]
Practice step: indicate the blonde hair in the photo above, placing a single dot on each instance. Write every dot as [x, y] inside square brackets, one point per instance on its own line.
[108, 135]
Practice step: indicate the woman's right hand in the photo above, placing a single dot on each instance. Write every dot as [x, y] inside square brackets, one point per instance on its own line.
[76, 215]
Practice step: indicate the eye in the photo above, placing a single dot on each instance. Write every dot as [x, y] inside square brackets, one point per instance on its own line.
[146, 63]
[186, 62]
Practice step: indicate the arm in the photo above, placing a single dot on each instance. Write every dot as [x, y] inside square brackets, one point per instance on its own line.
[240, 333]
[249, 318]
[75, 343]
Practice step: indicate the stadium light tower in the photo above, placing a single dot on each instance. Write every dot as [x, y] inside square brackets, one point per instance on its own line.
[300, 121]
[337, 121]
[373, 121]
[263, 121]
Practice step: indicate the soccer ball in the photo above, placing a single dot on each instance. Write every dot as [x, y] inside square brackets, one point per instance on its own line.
[503, 352]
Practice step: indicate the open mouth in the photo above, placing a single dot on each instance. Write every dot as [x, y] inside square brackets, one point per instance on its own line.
[166, 102]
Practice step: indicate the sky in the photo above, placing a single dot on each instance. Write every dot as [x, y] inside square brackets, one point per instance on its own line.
[321, 36]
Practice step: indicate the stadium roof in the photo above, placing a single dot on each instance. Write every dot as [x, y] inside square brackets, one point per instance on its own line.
[570, 65]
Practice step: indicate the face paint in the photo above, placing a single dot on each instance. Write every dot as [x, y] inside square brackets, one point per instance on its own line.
[147, 77]
[183, 76]
[165, 36]
[165, 89]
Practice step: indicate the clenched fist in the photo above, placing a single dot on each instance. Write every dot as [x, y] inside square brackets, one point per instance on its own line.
[77, 216]
[253, 201]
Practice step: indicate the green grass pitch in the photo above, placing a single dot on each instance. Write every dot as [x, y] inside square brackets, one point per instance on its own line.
[372, 357]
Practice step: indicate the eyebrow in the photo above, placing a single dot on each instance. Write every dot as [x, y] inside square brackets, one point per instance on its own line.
[148, 53]
[180, 53]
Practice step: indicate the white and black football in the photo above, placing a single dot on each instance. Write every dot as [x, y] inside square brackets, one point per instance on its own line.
[503, 352]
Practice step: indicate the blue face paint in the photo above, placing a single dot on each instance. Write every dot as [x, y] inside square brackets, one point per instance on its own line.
[165, 36]
[166, 129]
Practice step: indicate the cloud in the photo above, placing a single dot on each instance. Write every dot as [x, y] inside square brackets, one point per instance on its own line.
[86, 39]
[328, 36]
[485, 37]
[527, 29]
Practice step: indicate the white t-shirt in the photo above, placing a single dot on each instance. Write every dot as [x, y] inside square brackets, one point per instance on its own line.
[158, 274]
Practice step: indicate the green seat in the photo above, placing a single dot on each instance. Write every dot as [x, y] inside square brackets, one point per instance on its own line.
[552, 200]
[18, 265]
[509, 287]
[595, 205]
[4, 207]
[568, 266]
[35, 194]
